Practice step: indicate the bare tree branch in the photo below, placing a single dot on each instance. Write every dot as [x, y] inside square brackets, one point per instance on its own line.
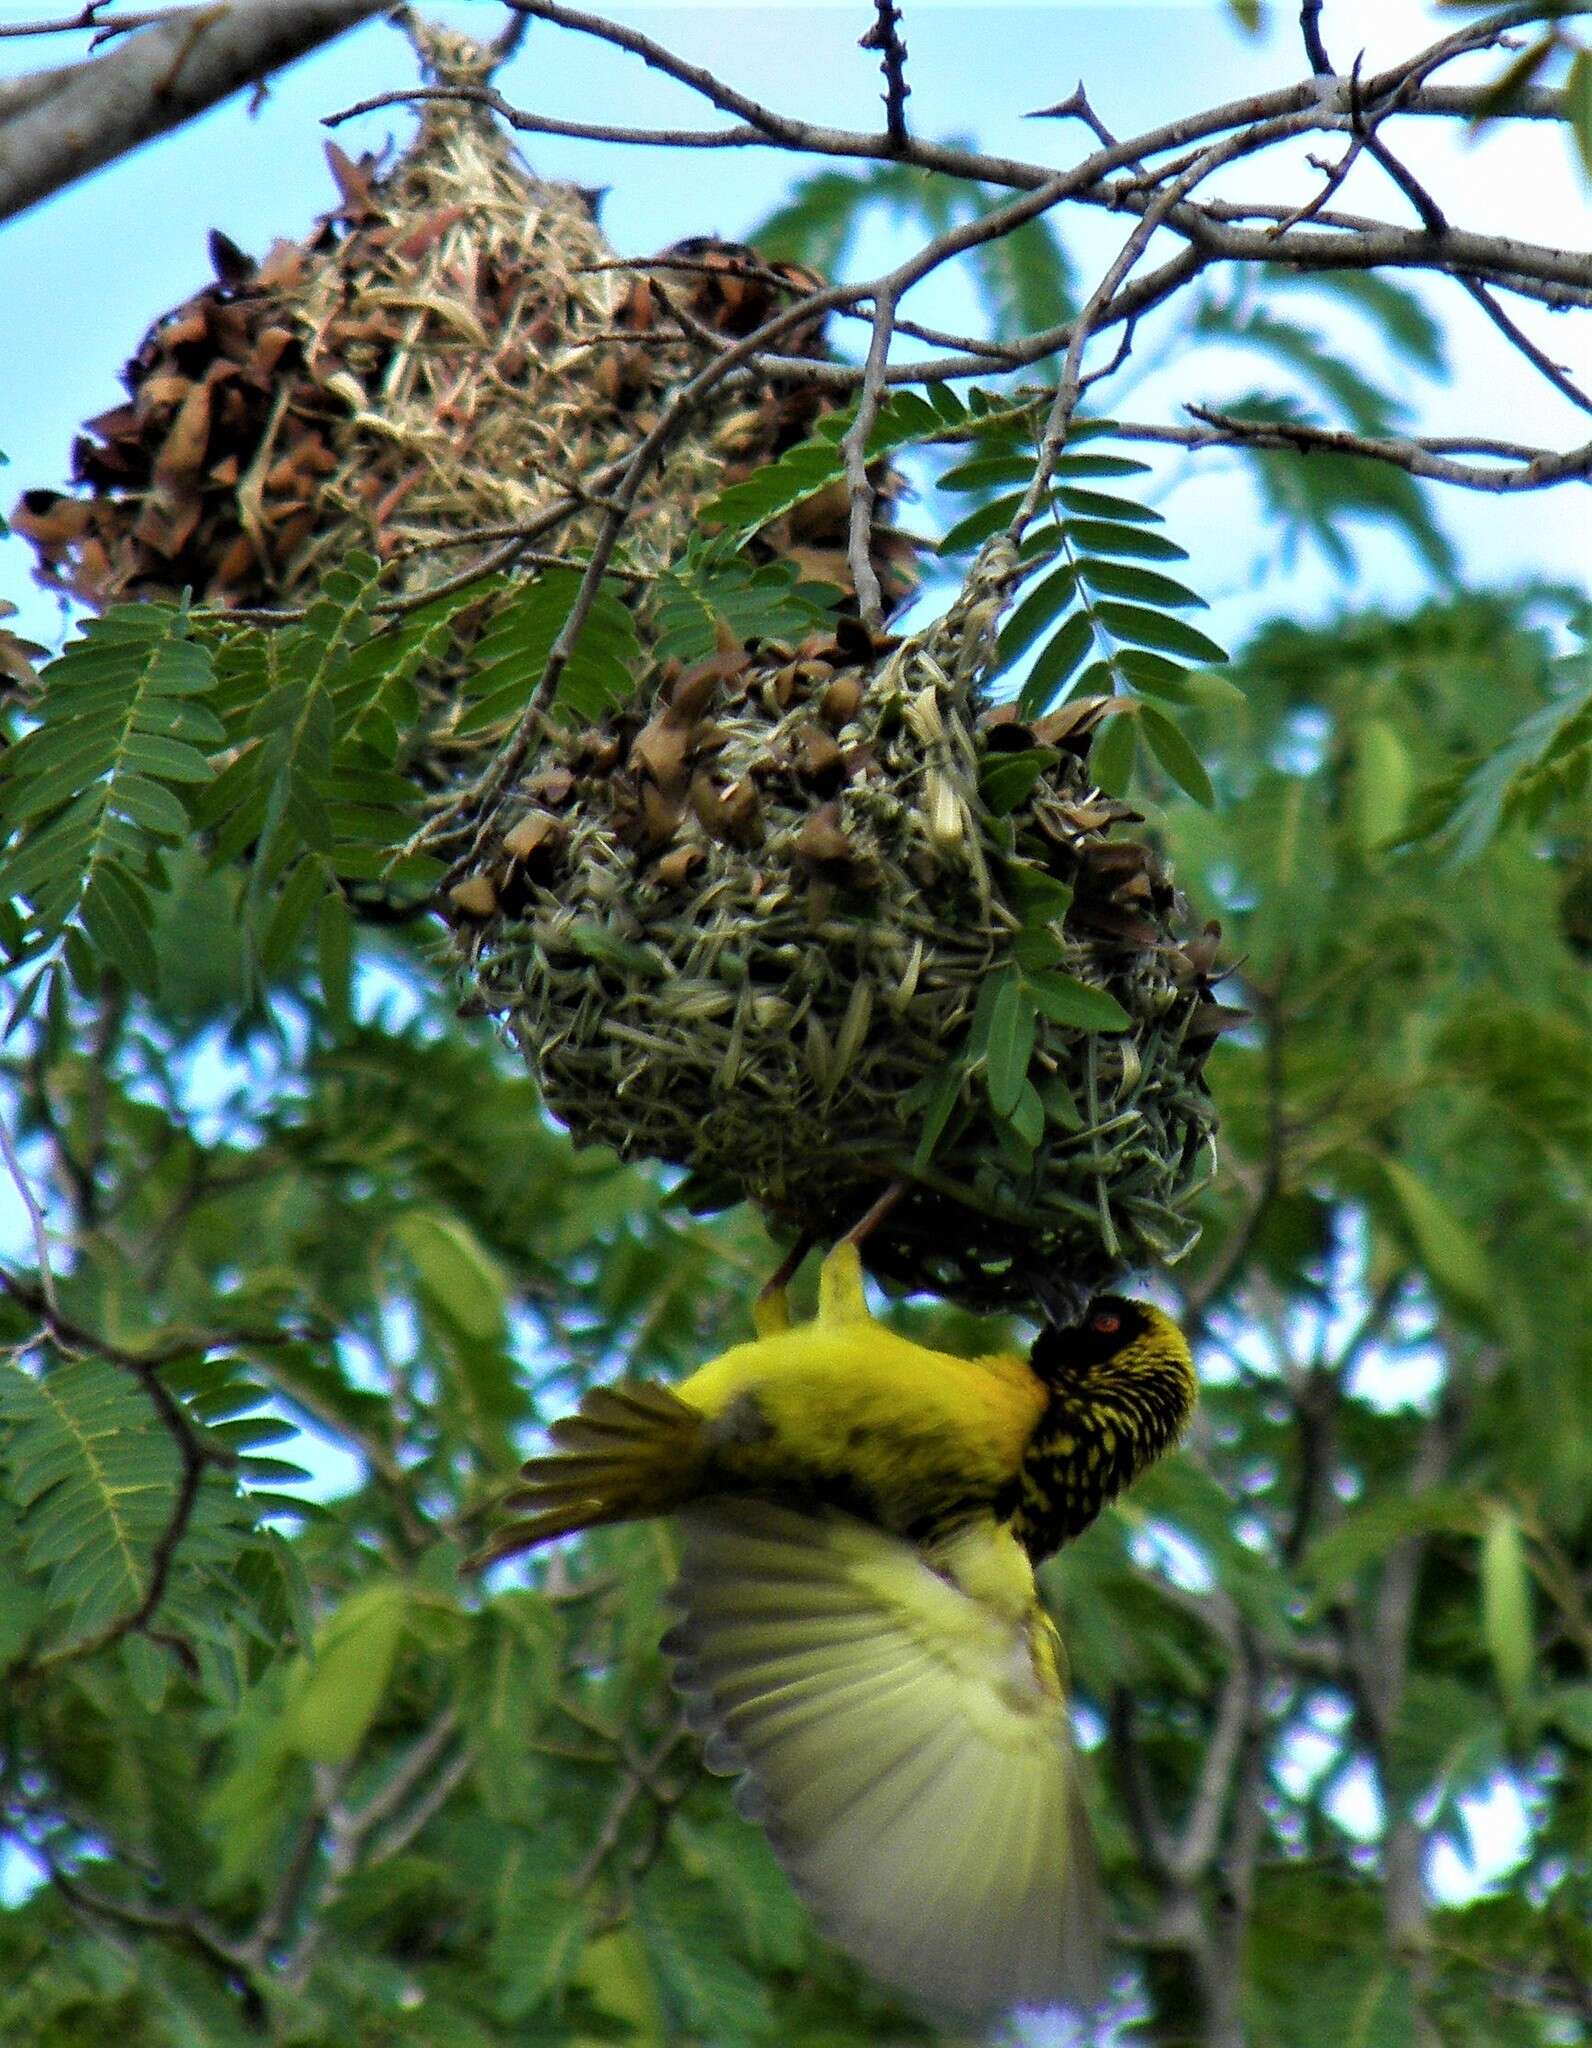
[1217, 225]
[1196, 1846]
[1070, 384]
[1315, 49]
[1436, 224]
[859, 540]
[639, 1777]
[1542, 467]
[763, 126]
[1379, 1659]
[183, 1924]
[35, 1215]
[92, 19]
[953, 162]
[56, 126]
[770, 126]
[1310, 239]
[1152, 1836]
[345, 1834]
[885, 37]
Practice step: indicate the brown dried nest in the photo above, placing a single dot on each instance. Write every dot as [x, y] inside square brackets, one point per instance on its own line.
[453, 348]
[742, 927]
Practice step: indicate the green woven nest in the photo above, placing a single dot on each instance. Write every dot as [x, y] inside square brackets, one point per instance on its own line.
[744, 928]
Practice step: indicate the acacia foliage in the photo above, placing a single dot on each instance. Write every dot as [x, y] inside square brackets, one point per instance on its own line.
[329, 1775]
[286, 1772]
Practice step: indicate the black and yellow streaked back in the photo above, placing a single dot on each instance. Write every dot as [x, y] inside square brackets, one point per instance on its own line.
[1120, 1389]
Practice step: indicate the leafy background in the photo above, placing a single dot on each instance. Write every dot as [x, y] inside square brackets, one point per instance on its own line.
[271, 1768]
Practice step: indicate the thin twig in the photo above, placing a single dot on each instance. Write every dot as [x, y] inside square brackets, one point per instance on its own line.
[281, 1910]
[1537, 473]
[1335, 174]
[1269, 1183]
[35, 1216]
[938, 337]
[1069, 386]
[530, 558]
[1195, 1849]
[179, 1343]
[1538, 358]
[88, 17]
[507, 42]
[1151, 1835]
[348, 1831]
[854, 447]
[1315, 49]
[526, 123]
[885, 37]
[771, 126]
[638, 1778]
[1436, 224]
[1077, 106]
[207, 1940]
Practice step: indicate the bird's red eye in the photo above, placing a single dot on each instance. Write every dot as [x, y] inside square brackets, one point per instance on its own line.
[1106, 1322]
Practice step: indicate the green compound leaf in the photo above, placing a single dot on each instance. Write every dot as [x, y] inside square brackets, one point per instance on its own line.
[1118, 579]
[1058, 660]
[95, 1474]
[1112, 755]
[812, 465]
[1066, 1000]
[713, 587]
[92, 794]
[1506, 1606]
[1009, 1045]
[937, 1098]
[1449, 1250]
[1578, 105]
[1170, 746]
[1006, 780]
[1048, 597]
[1141, 627]
[337, 1690]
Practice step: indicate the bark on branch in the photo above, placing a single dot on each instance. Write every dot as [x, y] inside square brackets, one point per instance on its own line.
[57, 125]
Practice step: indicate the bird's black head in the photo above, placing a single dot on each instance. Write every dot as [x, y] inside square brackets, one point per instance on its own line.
[1120, 1389]
[1110, 1329]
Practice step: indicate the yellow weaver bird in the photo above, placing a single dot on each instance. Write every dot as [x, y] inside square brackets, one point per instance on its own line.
[860, 1637]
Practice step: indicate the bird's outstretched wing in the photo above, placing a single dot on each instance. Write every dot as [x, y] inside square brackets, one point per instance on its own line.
[899, 1723]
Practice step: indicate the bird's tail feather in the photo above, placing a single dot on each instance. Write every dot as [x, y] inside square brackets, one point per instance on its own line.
[628, 1453]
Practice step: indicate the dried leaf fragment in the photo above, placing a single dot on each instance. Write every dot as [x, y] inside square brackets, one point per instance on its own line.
[534, 832]
[822, 840]
[474, 897]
